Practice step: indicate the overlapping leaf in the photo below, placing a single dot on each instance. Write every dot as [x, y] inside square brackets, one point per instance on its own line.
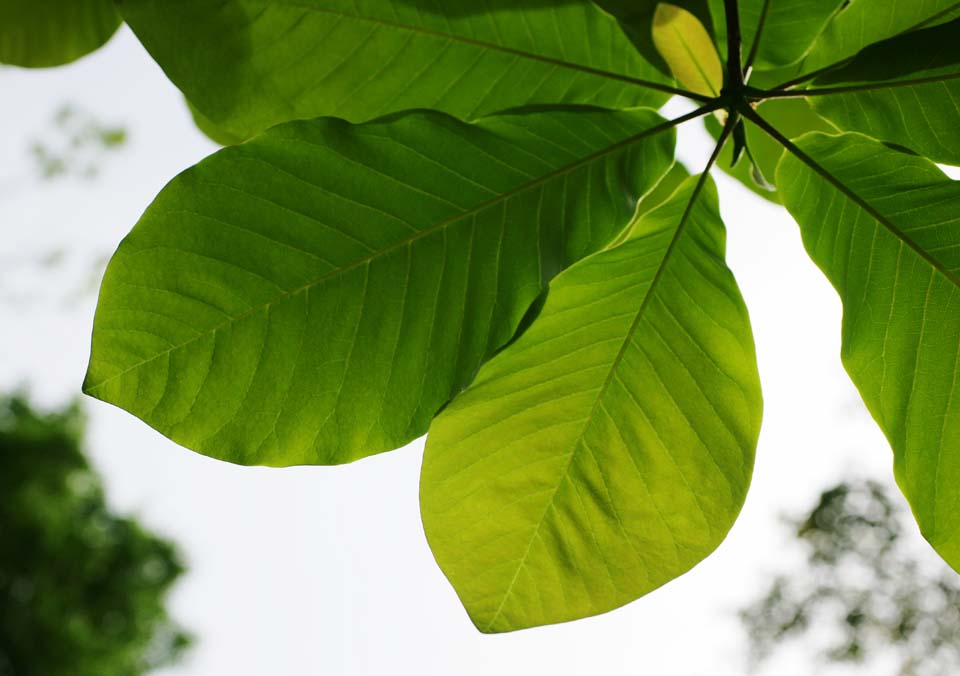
[885, 229]
[864, 22]
[41, 33]
[905, 90]
[249, 64]
[317, 294]
[687, 48]
[788, 31]
[609, 448]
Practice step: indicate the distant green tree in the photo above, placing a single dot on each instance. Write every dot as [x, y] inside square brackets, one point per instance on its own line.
[864, 586]
[76, 145]
[82, 590]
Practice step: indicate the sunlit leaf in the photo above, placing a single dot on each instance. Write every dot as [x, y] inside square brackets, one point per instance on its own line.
[609, 449]
[250, 64]
[317, 294]
[863, 22]
[885, 229]
[905, 90]
[688, 49]
[789, 27]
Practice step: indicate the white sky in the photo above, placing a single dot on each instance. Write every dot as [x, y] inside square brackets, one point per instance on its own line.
[326, 570]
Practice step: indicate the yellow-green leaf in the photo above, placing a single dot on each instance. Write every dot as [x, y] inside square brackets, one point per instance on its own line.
[686, 46]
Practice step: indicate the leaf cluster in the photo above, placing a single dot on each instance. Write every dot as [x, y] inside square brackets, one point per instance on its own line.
[466, 218]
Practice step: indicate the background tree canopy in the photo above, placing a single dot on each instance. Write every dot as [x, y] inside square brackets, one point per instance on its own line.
[82, 590]
[864, 591]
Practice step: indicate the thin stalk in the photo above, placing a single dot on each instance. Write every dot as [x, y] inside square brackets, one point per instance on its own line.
[808, 76]
[734, 40]
[761, 94]
[648, 84]
[755, 46]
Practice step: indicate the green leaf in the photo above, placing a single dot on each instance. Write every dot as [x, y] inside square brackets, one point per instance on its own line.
[864, 22]
[317, 294]
[905, 90]
[43, 33]
[609, 449]
[885, 230]
[250, 64]
[789, 28]
[210, 130]
[687, 49]
[636, 19]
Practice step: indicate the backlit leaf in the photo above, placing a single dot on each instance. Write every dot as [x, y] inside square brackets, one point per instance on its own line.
[687, 49]
[905, 90]
[317, 294]
[250, 64]
[885, 229]
[863, 22]
[609, 449]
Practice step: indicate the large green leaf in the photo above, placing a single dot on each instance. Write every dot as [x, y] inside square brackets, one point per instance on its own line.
[884, 228]
[905, 90]
[789, 27]
[609, 449]
[250, 64]
[316, 294]
[41, 33]
[864, 22]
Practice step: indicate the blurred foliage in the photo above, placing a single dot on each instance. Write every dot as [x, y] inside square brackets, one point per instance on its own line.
[76, 145]
[866, 587]
[82, 590]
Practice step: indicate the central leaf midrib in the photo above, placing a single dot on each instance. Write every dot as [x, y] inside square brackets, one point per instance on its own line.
[664, 126]
[601, 392]
[621, 77]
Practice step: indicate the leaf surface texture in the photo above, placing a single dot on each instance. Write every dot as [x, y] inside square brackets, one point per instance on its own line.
[317, 294]
[276, 60]
[609, 449]
[905, 90]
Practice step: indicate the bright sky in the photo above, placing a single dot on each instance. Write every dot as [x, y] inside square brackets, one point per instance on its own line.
[326, 570]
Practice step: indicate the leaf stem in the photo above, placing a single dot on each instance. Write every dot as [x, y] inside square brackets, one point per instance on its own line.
[755, 46]
[734, 40]
[760, 94]
[648, 84]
